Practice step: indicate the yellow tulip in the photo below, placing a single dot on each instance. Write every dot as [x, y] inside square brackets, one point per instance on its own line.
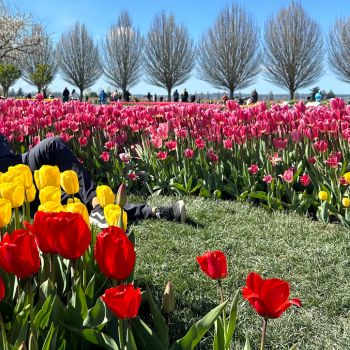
[5, 212]
[346, 202]
[347, 177]
[14, 192]
[30, 194]
[105, 195]
[14, 176]
[27, 173]
[51, 207]
[50, 194]
[78, 207]
[112, 213]
[69, 182]
[322, 195]
[47, 175]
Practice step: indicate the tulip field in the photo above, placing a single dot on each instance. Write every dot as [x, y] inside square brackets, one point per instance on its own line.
[65, 284]
[282, 158]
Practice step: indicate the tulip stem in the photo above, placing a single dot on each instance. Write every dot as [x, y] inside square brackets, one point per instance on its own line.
[121, 334]
[28, 211]
[221, 292]
[3, 333]
[31, 300]
[16, 219]
[263, 335]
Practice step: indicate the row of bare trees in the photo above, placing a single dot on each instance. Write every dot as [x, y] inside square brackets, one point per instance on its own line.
[229, 54]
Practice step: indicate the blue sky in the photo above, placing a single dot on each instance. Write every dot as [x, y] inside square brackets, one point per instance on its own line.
[198, 15]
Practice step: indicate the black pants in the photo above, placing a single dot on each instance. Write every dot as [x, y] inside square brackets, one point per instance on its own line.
[53, 151]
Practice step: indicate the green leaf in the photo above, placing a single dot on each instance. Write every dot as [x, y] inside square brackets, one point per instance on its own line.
[204, 193]
[259, 195]
[89, 291]
[78, 300]
[248, 345]
[158, 319]
[232, 320]
[130, 341]
[219, 335]
[50, 340]
[96, 316]
[94, 336]
[144, 337]
[197, 331]
[294, 347]
[33, 342]
[43, 316]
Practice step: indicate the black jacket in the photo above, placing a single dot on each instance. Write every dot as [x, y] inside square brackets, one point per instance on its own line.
[7, 156]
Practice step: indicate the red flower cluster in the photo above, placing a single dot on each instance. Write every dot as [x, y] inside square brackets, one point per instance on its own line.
[61, 233]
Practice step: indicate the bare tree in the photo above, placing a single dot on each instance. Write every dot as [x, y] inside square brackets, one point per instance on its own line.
[293, 49]
[228, 55]
[78, 57]
[16, 29]
[40, 66]
[339, 49]
[169, 53]
[122, 52]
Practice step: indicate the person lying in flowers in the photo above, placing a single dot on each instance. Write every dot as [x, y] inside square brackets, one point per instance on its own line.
[53, 151]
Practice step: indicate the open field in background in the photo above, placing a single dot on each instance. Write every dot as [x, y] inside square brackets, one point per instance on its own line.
[311, 256]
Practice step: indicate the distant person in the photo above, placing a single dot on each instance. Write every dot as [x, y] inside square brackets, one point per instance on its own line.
[254, 96]
[318, 96]
[149, 97]
[127, 96]
[160, 98]
[74, 95]
[224, 98]
[184, 96]
[155, 97]
[193, 98]
[29, 95]
[102, 97]
[65, 95]
[176, 96]
[51, 96]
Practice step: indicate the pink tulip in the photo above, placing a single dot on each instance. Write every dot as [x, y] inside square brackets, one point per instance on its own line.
[280, 143]
[162, 155]
[171, 145]
[287, 176]
[267, 178]
[200, 144]
[157, 142]
[189, 153]
[321, 146]
[105, 156]
[212, 156]
[305, 180]
[253, 169]
[124, 157]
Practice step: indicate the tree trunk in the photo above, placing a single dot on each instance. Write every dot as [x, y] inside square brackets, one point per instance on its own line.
[81, 94]
[291, 93]
[124, 94]
[6, 91]
[231, 94]
[169, 94]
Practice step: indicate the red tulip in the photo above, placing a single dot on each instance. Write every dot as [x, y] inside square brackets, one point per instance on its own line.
[253, 169]
[162, 155]
[124, 300]
[64, 233]
[213, 264]
[321, 146]
[19, 254]
[268, 297]
[114, 253]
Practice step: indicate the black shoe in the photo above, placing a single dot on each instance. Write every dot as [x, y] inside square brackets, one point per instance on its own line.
[97, 217]
[176, 212]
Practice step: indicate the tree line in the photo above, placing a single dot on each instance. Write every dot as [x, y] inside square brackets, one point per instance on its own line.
[290, 51]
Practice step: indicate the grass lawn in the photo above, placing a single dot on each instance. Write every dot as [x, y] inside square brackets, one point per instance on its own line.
[314, 258]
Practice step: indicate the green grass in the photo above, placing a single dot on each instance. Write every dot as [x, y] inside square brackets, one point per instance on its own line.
[314, 258]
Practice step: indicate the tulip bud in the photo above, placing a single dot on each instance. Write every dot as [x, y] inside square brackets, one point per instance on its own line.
[112, 213]
[346, 202]
[105, 195]
[23, 346]
[50, 194]
[80, 208]
[14, 192]
[30, 194]
[323, 196]
[51, 207]
[5, 212]
[121, 195]
[27, 174]
[47, 175]
[69, 182]
[168, 304]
